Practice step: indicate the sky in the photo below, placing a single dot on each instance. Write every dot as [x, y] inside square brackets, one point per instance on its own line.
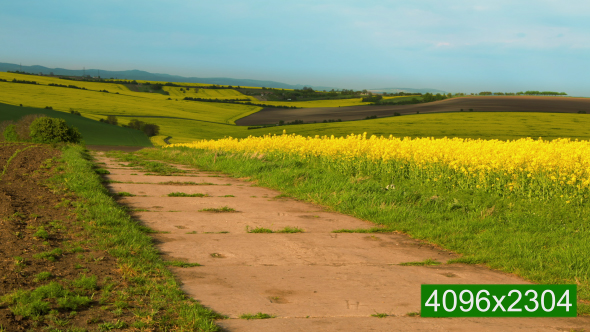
[455, 46]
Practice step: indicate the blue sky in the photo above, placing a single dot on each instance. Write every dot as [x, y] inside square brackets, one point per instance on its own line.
[457, 46]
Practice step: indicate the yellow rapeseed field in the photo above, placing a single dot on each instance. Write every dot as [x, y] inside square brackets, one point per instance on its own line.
[533, 168]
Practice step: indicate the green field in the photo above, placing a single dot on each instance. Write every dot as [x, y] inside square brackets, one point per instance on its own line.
[488, 125]
[93, 132]
[185, 121]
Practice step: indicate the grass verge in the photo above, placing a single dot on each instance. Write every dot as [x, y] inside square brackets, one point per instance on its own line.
[114, 231]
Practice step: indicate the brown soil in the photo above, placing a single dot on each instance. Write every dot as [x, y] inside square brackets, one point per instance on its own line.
[27, 202]
[311, 281]
[478, 104]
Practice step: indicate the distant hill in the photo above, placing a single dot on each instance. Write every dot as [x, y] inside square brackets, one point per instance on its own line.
[147, 76]
[410, 90]
[144, 75]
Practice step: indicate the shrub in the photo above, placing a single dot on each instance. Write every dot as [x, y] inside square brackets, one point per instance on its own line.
[148, 128]
[52, 130]
[10, 133]
[111, 119]
[23, 125]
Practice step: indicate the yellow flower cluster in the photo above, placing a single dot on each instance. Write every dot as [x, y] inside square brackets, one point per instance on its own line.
[535, 168]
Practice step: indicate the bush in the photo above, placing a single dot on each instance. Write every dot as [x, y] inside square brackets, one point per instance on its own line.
[111, 119]
[52, 130]
[149, 129]
[10, 133]
[23, 130]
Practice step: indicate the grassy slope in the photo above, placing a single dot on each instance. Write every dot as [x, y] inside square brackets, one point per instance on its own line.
[93, 132]
[127, 104]
[545, 242]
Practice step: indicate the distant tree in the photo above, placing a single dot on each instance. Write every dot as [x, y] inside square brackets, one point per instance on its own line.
[52, 130]
[111, 119]
[151, 129]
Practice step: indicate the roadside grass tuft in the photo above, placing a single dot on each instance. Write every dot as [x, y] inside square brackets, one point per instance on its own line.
[259, 315]
[180, 264]
[426, 262]
[186, 183]
[288, 229]
[218, 210]
[379, 315]
[365, 230]
[101, 171]
[181, 194]
[125, 194]
[258, 230]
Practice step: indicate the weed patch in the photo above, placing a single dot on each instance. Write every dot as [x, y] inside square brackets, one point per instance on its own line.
[218, 210]
[259, 315]
[180, 194]
[426, 262]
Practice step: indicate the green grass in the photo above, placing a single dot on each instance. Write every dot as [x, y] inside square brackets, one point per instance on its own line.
[179, 183]
[42, 276]
[426, 262]
[218, 210]
[544, 242]
[288, 229]
[258, 230]
[259, 315]
[49, 255]
[115, 232]
[41, 233]
[125, 194]
[365, 230]
[179, 194]
[93, 132]
[379, 315]
[181, 264]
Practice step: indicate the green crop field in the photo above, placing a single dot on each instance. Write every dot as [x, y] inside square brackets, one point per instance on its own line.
[488, 125]
[126, 105]
[175, 92]
[185, 121]
[93, 132]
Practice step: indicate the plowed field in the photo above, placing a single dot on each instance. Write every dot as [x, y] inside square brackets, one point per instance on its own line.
[478, 104]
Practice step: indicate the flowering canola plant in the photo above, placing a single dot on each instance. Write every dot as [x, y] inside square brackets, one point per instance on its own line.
[533, 168]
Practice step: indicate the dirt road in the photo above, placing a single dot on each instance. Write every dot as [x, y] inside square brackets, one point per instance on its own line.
[311, 281]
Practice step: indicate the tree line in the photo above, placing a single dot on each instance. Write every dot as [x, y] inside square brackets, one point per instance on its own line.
[149, 129]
